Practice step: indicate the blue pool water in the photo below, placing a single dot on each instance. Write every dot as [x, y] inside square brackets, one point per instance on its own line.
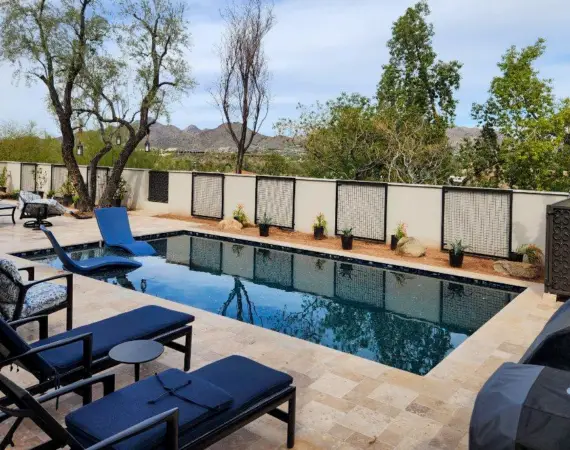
[401, 319]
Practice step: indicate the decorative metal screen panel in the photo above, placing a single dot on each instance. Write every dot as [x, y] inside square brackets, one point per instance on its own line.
[28, 177]
[273, 268]
[362, 207]
[58, 177]
[158, 187]
[206, 255]
[208, 195]
[558, 249]
[276, 198]
[356, 283]
[102, 178]
[483, 304]
[481, 218]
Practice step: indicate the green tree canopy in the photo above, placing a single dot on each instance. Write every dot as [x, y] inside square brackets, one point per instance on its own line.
[414, 81]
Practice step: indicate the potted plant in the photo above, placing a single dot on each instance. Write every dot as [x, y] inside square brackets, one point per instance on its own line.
[320, 227]
[518, 254]
[75, 201]
[51, 194]
[456, 253]
[399, 233]
[264, 225]
[67, 191]
[120, 193]
[3, 180]
[41, 180]
[534, 255]
[240, 215]
[346, 238]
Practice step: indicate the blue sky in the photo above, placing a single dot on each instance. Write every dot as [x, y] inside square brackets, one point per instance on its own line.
[320, 48]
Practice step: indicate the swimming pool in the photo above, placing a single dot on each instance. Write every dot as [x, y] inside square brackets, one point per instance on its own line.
[405, 320]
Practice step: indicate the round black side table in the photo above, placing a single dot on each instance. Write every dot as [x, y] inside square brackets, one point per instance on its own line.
[137, 353]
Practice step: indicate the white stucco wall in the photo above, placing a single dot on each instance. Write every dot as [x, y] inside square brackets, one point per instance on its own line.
[313, 197]
[529, 216]
[13, 176]
[239, 189]
[180, 193]
[419, 207]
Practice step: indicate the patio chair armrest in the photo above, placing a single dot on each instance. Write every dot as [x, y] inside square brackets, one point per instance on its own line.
[31, 270]
[171, 439]
[87, 339]
[67, 275]
[42, 321]
[107, 379]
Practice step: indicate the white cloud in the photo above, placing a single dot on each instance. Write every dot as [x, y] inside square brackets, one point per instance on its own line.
[320, 48]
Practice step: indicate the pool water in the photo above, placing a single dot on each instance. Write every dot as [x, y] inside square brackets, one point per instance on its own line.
[404, 320]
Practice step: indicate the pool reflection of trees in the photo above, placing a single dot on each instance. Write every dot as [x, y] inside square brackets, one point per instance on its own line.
[240, 295]
[408, 344]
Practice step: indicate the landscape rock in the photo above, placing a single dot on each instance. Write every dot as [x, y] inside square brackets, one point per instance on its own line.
[410, 246]
[518, 269]
[230, 225]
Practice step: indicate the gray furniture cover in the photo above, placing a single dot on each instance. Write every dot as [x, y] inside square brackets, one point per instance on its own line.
[551, 347]
[522, 407]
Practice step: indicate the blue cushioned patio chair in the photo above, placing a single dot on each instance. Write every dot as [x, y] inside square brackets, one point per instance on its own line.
[116, 231]
[198, 408]
[92, 264]
[69, 356]
[20, 299]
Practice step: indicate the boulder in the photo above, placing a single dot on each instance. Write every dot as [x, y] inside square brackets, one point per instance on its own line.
[230, 225]
[410, 246]
[518, 269]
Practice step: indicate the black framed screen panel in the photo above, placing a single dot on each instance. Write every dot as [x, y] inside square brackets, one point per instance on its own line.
[58, 177]
[557, 275]
[28, 177]
[481, 218]
[275, 196]
[101, 181]
[208, 195]
[362, 206]
[158, 187]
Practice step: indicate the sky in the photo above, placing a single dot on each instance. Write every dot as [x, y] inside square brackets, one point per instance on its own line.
[320, 48]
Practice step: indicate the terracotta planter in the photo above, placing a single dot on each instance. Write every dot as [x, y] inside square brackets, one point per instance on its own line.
[264, 230]
[346, 242]
[456, 259]
[319, 233]
[393, 242]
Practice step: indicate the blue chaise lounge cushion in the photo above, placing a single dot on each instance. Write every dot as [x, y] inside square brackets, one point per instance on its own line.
[245, 381]
[142, 323]
[116, 231]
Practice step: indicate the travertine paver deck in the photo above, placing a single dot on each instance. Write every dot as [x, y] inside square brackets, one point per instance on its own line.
[344, 402]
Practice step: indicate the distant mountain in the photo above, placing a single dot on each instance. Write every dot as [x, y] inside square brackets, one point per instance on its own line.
[193, 139]
[457, 135]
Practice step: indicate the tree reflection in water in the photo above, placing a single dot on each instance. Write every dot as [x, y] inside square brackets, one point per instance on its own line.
[398, 341]
[239, 294]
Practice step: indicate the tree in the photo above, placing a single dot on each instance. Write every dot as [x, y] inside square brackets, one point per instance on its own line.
[523, 109]
[413, 81]
[64, 45]
[242, 91]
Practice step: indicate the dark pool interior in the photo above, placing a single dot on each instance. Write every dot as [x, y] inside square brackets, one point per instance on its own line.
[405, 320]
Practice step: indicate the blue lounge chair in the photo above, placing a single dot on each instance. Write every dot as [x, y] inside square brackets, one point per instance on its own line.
[116, 231]
[69, 356]
[170, 410]
[92, 264]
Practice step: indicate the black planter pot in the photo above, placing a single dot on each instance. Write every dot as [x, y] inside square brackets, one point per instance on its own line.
[393, 242]
[3, 189]
[346, 242]
[516, 257]
[456, 259]
[264, 230]
[319, 233]
[67, 200]
[116, 202]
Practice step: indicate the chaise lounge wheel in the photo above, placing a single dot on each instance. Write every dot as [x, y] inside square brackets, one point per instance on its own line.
[35, 224]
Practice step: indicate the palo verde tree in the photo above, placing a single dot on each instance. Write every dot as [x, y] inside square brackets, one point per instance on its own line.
[242, 90]
[64, 45]
[413, 81]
